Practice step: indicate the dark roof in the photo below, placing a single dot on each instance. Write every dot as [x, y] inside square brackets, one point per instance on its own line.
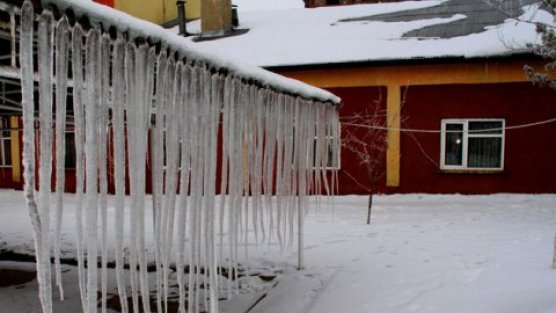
[480, 14]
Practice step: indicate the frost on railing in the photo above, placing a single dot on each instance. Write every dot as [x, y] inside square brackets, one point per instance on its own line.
[211, 131]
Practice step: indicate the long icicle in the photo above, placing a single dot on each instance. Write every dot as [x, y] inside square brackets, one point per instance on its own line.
[79, 128]
[45, 57]
[145, 70]
[185, 167]
[103, 171]
[91, 158]
[168, 204]
[216, 106]
[131, 98]
[157, 169]
[118, 120]
[61, 97]
[28, 104]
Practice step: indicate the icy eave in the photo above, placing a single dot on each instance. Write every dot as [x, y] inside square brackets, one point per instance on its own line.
[105, 17]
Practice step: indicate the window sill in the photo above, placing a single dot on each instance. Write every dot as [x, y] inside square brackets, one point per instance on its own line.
[472, 171]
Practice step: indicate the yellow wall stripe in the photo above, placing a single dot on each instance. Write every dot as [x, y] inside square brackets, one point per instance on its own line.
[393, 111]
[16, 161]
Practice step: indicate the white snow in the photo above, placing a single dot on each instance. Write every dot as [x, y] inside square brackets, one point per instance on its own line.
[421, 253]
[315, 36]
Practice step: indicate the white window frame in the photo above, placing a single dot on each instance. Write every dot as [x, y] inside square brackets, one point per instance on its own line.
[2, 142]
[466, 135]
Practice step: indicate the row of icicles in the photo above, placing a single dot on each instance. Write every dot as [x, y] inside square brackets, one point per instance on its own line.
[211, 133]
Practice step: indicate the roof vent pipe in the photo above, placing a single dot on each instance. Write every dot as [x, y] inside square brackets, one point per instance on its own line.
[235, 17]
[181, 17]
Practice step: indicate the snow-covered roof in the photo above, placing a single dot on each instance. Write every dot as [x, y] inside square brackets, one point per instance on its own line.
[107, 18]
[385, 31]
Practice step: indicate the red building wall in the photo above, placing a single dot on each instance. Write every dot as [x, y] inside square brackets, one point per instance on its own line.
[529, 152]
[360, 101]
[109, 3]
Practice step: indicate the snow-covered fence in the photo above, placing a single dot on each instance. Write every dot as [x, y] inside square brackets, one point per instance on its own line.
[275, 135]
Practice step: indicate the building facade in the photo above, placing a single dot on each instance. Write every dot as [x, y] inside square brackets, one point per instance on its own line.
[467, 126]
[158, 12]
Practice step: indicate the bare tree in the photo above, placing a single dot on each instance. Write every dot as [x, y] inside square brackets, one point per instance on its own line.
[368, 143]
[547, 50]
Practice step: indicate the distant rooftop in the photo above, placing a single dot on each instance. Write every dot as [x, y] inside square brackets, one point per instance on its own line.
[384, 32]
[480, 14]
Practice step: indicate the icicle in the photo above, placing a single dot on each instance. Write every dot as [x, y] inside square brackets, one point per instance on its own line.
[103, 174]
[195, 193]
[205, 222]
[225, 161]
[168, 204]
[157, 169]
[185, 133]
[144, 71]
[92, 118]
[131, 101]
[45, 57]
[280, 142]
[61, 97]
[79, 128]
[118, 122]
[172, 149]
[28, 104]
[216, 106]
[298, 150]
[258, 175]
[271, 126]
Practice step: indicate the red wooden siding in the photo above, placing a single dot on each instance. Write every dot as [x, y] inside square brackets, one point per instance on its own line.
[529, 152]
[109, 3]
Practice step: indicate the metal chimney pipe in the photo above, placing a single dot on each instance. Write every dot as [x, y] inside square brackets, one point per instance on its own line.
[181, 17]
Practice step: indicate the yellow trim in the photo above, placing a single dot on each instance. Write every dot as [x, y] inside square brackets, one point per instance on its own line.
[16, 162]
[430, 74]
[393, 111]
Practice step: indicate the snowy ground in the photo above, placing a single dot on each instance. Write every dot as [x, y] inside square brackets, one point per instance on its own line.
[422, 253]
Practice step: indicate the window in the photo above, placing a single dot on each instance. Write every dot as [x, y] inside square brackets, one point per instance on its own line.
[5, 142]
[472, 144]
[333, 149]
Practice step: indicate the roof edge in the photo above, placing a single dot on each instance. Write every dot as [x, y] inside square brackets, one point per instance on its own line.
[399, 62]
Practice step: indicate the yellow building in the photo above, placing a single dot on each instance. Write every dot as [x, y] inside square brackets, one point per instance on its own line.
[156, 11]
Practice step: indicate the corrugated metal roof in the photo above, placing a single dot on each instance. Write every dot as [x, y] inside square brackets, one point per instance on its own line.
[479, 14]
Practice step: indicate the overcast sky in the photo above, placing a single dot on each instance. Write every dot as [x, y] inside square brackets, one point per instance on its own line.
[254, 5]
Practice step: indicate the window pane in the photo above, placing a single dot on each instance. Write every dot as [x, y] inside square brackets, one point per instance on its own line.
[485, 152]
[485, 127]
[7, 153]
[454, 144]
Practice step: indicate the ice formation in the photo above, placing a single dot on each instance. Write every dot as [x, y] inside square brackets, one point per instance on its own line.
[212, 131]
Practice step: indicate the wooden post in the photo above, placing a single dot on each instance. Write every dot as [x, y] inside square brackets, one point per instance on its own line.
[554, 256]
[300, 256]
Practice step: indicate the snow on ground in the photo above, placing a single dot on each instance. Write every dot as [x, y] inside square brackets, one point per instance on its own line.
[421, 253]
